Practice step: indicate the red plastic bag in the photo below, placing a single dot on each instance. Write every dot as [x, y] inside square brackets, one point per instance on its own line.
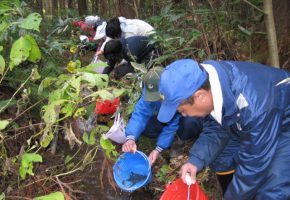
[178, 190]
[106, 107]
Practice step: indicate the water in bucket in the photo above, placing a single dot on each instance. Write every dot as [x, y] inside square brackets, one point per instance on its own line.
[132, 171]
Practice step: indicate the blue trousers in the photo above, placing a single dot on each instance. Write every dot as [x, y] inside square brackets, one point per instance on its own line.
[189, 128]
[276, 184]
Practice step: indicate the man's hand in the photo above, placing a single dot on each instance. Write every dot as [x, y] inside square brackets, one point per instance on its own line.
[99, 52]
[129, 146]
[153, 156]
[190, 169]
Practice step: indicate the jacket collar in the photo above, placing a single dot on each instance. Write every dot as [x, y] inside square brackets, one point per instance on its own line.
[229, 107]
[216, 92]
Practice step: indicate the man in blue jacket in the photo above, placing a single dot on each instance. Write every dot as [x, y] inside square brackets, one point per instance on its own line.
[243, 100]
[144, 120]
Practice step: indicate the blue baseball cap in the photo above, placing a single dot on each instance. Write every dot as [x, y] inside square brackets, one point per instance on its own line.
[179, 81]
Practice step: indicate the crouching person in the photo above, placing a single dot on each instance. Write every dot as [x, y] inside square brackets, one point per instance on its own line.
[144, 120]
[137, 49]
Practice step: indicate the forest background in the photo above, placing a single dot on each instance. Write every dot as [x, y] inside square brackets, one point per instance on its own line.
[51, 144]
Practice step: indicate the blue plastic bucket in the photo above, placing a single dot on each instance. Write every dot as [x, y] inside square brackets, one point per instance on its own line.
[132, 171]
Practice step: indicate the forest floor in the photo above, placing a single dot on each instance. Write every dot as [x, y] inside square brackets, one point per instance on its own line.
[94, 180]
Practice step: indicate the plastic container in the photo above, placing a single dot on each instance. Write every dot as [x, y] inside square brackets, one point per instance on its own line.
[132, 171]
[178, 190]
[106, 107]
[117, 131]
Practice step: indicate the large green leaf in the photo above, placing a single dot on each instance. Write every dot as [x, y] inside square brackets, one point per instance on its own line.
[6, 103]
[52, 111]
[106, 144]
[55, 95]
[35, 54]
[90, 138]
[76, 84]
[100, 80]
[31, 22]
[3, 124]
[51, 196]
[35, 75]
[19, 52]
[2, 196]
[67, 109]
[2, 65]
[103, 94]
[46, 137]
[10, 3]
[27, 160]
[3, 27]
[106, 94]
[46, 83]
[5, 8]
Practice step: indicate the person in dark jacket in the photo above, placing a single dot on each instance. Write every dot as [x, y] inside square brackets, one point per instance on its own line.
[144, 120]
[137, 48]
[243, 100]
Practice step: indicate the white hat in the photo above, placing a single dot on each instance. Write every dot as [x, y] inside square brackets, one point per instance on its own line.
[101, 31]
[92, 20]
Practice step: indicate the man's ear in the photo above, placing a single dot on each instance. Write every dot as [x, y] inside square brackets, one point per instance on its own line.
[200, 95]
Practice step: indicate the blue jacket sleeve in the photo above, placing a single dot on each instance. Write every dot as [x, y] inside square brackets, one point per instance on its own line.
[166, 137]
[259, 142]
[143, 111]
[210, 143]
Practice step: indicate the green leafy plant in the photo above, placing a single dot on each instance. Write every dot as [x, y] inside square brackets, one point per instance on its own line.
[2, 196]
[51, 196]
[3, 124]
[163, 173]
[27, 160]
[109, 148]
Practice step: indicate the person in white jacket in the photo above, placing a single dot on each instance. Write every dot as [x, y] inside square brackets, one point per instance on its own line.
[118, 27]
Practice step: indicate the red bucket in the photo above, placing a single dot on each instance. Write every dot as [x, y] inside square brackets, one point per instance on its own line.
[178, 190]
[106, 107]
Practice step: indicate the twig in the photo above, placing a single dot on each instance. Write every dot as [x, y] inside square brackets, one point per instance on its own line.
[62, 184]
[12, 137]
[17, 197]
[28, 126]
[4, 74]
[285, 64]
[54, 141]
[21, 86]
[66, 173]
[253, 6]
[205, 41]
[102, 173]
[26, 110]
[43, 179]
[110, 178]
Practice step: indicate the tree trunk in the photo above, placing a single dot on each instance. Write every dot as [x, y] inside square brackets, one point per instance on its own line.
[127, 8]
[47, 5]
[54, 7]
[282, 24]
[271, 34]
[82, 6]
[62, 4]
[95, 10]
[103, 8]
[70, 4]
[39, 7]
